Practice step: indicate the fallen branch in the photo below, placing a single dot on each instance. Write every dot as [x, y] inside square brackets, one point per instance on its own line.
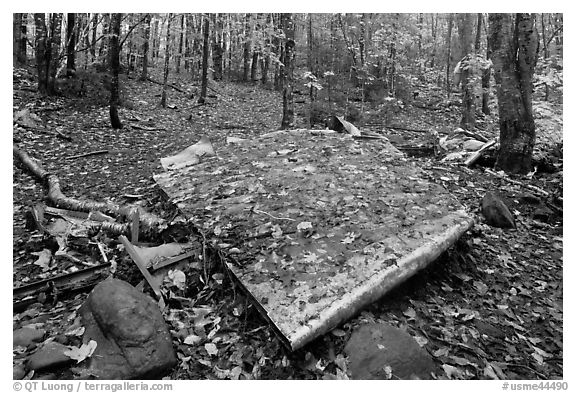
[474, 157]
[471, 134]
[149, 223]
[92, 153]
[518, 183]
[169, 85]
[405, 129]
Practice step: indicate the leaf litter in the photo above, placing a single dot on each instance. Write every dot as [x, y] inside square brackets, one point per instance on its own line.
[491, 307]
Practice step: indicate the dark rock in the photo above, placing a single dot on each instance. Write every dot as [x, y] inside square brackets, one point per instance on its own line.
[529, 198]
[18, 371]
[373, 347]
[496, 212]
[27, 336]
[133, 338]
[48, 356]
[543, 214]
[333, 123]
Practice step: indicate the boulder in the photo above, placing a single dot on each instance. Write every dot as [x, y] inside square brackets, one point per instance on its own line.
[377, 349]
[543, 214]
[48, 356]
[18, 371]
[27, 336]
[496, 212]
[133, 339]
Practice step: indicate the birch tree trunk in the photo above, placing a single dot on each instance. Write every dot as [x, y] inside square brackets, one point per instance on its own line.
[289, 55]
[145, 48]
[166, 63]
[114, 55]
[205, 56]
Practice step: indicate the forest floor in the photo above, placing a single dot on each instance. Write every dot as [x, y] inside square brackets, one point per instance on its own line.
[490, 307]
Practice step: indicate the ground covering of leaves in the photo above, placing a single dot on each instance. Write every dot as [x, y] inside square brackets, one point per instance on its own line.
[490, 307]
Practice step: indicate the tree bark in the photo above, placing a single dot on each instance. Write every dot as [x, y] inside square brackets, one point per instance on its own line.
[47, 50]
[16, 26]
[156, 41]
[71, 45]
[104, 45]
[217, 50]
[514, 41]
[362, 40]
[449, 53]
[114, 56]
[246, 54]
[94, 33]
[20, 42]
[166, 62]
[180, 41]
[145, 48]
[205, 55]
[55, 41]
[434, 33]
[478, 32]
[289, 55]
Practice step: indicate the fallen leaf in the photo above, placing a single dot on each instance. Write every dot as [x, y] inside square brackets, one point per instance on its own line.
[84, 352]
[192, 339]
[211, 349]
[44, 258]
[410, 313]
[481, 288]
[304, 225]
[451, 371]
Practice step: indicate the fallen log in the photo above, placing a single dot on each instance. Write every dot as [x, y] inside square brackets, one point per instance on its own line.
[149, 224]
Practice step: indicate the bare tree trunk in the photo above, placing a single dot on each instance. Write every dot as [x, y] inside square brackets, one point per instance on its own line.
[289, 55]
[246, 55]
[391, 61]
[71, 45]
[155, 41]
[166, 63]
[478, 32]
[55, 41]
[115, 70]
[217, 49]
[94, 33]
[514, 42]
[362, 40]
[145, 48]
[104, 44]
[47, 51]
[486, 81]
[16, 26]
[187, 46]
[279, 52]
[179, 54]
[42, 52]
[205, 56]
[19, 43]
[434, 33]
[449, 53]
